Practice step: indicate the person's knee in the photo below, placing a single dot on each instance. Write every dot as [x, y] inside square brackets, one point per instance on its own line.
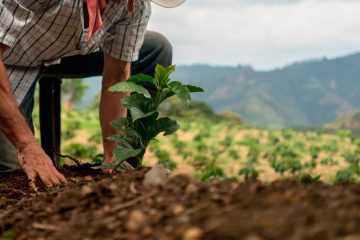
[161, 46]
[156, 49]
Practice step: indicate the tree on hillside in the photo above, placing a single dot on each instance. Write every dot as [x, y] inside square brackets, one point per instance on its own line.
[72, 91]
[94, 105]
[174, 108]
[232, 117]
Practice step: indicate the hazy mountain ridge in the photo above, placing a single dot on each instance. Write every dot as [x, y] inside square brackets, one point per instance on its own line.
[309, 93]
[304, 94]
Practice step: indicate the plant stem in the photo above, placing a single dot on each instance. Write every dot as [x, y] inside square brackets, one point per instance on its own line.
[156, 101]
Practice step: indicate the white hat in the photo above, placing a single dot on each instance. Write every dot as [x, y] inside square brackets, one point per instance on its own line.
[169, 3]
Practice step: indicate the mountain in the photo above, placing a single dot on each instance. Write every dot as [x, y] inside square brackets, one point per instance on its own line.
[303, 94]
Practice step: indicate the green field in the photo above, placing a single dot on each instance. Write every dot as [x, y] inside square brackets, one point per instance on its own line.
[219, 148]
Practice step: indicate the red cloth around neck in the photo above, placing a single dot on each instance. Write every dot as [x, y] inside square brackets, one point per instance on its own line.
[94, 8]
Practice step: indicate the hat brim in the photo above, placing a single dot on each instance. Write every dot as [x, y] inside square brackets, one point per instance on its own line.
[168, 3]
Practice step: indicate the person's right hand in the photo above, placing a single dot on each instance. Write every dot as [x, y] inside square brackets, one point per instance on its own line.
[34, 162]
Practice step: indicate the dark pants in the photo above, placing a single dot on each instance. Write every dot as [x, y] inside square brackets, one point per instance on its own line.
[156, 49]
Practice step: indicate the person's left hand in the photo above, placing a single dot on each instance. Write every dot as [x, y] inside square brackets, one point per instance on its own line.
[35, 163]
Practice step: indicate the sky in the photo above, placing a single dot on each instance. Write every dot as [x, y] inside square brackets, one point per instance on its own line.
[265, 34]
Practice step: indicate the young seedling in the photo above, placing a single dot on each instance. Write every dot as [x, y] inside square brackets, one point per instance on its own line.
[249, 173]
[143, 123]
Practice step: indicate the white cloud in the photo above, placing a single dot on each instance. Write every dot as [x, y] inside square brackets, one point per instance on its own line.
[263, 33]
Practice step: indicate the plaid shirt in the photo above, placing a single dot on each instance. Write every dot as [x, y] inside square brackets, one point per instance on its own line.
[41, 32]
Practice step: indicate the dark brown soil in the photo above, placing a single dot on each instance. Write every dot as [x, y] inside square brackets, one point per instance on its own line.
[97, 206]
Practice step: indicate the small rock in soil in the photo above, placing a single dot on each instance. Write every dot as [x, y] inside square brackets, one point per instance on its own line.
[136, 221]
[177, 209]
[191, 188]
[253, 237]
[85, 191]
[193, 233]
[148, 231]
[156, 176]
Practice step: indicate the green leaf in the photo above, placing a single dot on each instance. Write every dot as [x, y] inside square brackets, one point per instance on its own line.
[131, 136]
[151, 117]
[194, 88]
[166, 125]
[139, 106]
[139, 101]
[166, 93]
[181, 91]
[137, 114]
[316, 178]
[162, 73]
[138, 78]
[121, 154]
[119, 139]
[120, 123]
[130, 87]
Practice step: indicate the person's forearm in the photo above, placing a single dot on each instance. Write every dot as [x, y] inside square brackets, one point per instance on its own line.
[110, 103]
[31, 158]
[12, 122]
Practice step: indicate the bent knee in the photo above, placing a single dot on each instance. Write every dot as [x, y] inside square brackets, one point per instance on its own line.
[158, 43]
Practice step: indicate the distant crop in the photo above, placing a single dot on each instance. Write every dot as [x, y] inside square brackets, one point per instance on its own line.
[344, 176]
[212, 172]
[165, 159]
[213, 147]
[249, 173]
[328, 161]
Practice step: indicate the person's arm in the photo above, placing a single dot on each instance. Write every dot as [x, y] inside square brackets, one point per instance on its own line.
[128, 36]
[110, 103]
[32, 159]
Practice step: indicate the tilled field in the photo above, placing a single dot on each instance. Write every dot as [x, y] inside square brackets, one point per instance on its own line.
[97, 206]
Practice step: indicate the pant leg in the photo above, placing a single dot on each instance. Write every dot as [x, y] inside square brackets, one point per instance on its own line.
[8, 161]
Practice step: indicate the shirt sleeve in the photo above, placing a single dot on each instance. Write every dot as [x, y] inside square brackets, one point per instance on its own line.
[9, 25]
[129, 33]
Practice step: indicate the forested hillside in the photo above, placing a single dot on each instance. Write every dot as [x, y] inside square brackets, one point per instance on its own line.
[306, 94]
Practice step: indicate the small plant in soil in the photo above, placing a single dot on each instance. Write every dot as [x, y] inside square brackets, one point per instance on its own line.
[143, 123]
[328, 161]
[344, 176]
[212, 172]
[249, 173]
[165, 159]
[292, 165]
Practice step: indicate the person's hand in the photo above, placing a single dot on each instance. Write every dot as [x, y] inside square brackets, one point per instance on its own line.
[34, 162]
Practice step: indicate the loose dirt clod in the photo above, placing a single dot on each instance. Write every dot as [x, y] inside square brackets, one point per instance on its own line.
[156, 176]
[136, 221]
[193, 233]
[177, 209]
[85, 191]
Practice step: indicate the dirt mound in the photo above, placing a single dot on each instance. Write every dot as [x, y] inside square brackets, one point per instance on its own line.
[97, 206]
